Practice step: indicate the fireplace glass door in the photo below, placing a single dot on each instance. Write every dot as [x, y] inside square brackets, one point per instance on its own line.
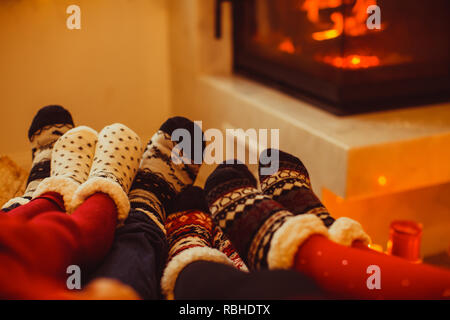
[347, 56]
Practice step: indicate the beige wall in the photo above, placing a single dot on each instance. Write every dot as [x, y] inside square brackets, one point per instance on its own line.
[115, 69]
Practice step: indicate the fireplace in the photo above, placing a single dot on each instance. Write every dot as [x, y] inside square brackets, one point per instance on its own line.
[323, 51]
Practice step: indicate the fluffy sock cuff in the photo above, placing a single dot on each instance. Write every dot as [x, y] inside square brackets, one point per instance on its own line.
[290, 236]
[177, 264]
[66, 187]
[345, 230]
[112, 189]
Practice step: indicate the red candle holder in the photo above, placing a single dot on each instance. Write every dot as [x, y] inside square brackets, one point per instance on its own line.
[404, 240]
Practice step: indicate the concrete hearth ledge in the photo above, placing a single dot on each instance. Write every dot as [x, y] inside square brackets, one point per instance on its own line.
[352, 156]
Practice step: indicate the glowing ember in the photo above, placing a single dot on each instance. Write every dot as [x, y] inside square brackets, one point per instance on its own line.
[356, 60]
[287, 46]
[352, 61]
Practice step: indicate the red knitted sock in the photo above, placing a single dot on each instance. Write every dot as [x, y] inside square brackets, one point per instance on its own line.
[354, 273]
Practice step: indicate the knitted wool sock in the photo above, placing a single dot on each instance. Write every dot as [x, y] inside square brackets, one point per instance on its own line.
[291, 187]
[263, 232]
[116, 160]
[50, 123]
[159, 179]
[344, 272]
[219, 240]
[72, 158]
[223, 244]
[189, 235]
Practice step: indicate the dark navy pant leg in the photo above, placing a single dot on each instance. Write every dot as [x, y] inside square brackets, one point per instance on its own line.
[137, 257]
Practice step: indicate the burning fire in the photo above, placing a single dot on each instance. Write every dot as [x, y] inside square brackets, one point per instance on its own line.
[352, 61]
[353, 25]
[338, 27]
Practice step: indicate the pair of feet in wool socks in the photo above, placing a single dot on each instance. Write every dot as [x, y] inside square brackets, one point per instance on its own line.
[85, 162]
[265, 226]
[78, 162]
[162, 186]
[268, 226]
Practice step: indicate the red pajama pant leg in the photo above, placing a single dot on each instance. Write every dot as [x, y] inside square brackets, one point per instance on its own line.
[21, 283]
[50, 241]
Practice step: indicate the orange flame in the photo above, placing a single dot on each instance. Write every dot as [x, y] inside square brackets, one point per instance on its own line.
[332, 33]
[286, 46]
[312, 7]
[352, 25]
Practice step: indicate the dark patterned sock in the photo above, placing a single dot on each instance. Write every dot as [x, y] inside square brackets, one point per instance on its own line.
[290, 185]
[159, 178]
[264, 233]
[50, 123]
[189, 234]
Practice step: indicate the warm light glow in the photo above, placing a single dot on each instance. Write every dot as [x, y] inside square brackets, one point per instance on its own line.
[376, 247]
[287, 46]
[352, 61]
[382, 180]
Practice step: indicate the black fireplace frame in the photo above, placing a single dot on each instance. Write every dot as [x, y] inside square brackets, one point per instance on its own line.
[348, 96]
